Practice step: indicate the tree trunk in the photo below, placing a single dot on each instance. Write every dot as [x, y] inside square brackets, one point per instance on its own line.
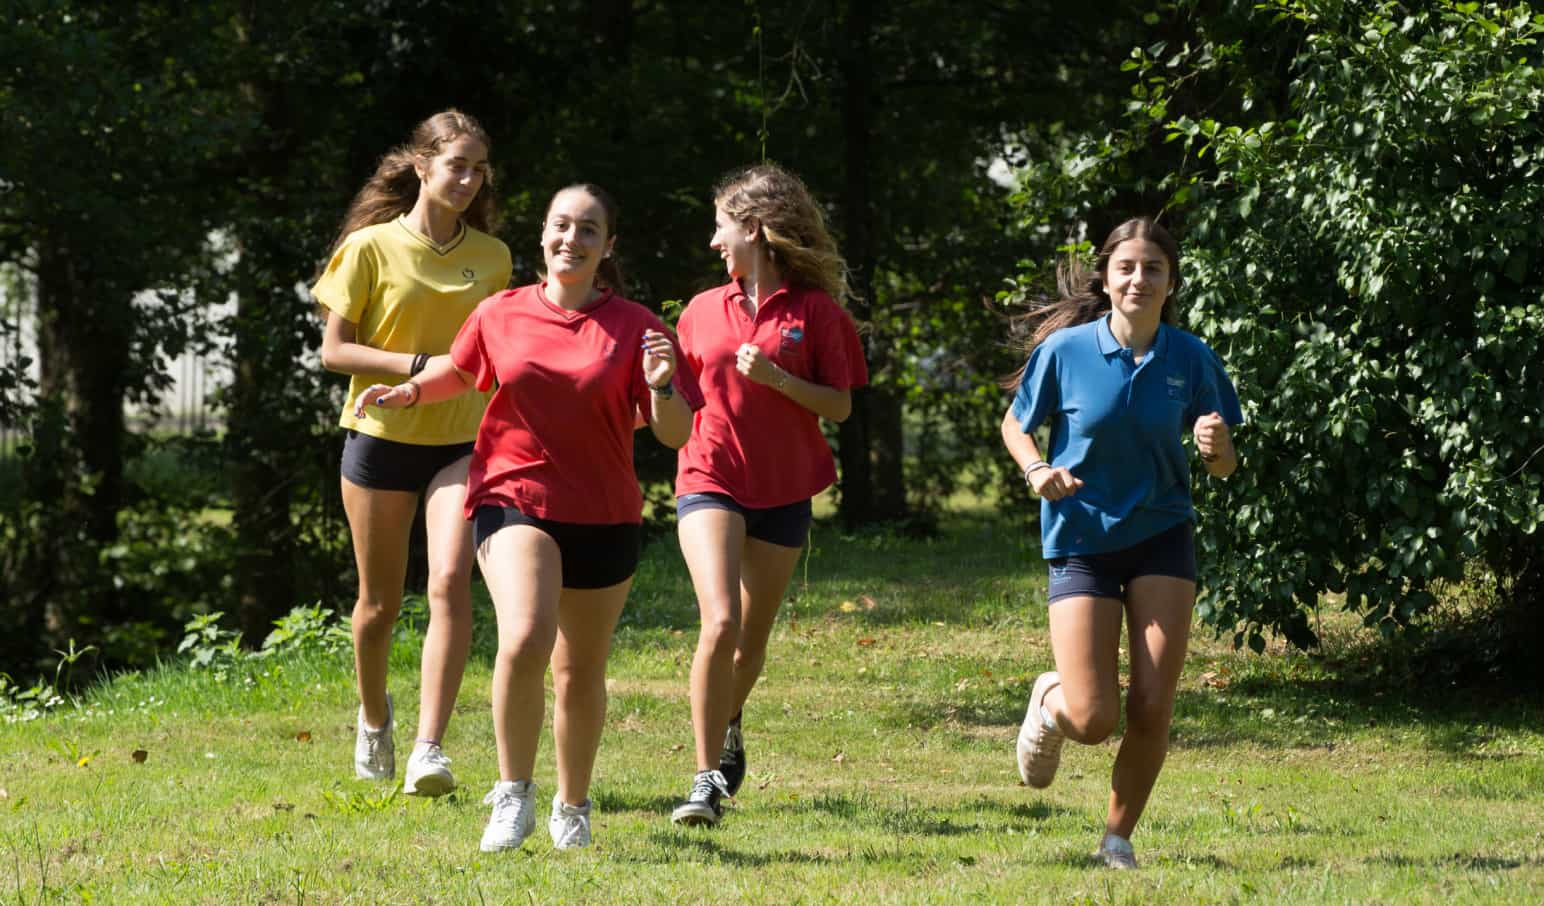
[873, 483]
[84, 352]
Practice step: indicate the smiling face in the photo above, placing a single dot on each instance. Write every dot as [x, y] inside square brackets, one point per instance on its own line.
[452, 177]
[735, 242]
[1138, 278]
[575, 237]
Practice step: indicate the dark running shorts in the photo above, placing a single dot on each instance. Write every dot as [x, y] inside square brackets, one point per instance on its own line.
[594, 556]
[787, 525]
[1171, 552]
[386, 465]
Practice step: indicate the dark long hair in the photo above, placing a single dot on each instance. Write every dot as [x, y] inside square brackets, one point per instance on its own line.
[393, 189]
[1080, 296]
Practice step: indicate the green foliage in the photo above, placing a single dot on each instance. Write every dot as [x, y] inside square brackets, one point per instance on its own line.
[314, 628]
[1365, 261]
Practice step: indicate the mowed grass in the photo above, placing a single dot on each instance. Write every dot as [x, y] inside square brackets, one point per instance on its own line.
[881, 770]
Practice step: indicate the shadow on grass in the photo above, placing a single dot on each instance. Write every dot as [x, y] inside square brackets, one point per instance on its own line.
[1460, 861]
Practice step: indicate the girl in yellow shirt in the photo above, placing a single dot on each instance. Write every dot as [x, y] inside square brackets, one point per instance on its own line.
[410, 264]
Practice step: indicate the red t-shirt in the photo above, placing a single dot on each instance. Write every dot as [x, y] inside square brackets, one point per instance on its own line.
[556, 441]
[750, 441]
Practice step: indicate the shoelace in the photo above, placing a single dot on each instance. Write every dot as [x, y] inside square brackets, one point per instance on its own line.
[574, 825]
[505, 799]
[706, 784]
[436, 757]
[733, 741]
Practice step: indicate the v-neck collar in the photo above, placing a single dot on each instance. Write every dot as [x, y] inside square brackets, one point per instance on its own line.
[435, 247]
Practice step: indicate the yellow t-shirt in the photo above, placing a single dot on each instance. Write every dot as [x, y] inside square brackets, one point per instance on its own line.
[404, 293]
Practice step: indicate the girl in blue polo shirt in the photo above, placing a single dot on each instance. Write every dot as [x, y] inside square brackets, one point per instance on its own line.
[1120, 385]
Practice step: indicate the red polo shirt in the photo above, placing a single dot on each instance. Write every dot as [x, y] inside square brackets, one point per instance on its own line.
[750, 441]
[556, 441]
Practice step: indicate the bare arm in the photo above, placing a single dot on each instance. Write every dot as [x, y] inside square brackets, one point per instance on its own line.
[439, 381]
[1046, 480]
[670, 418]
[827, 402]
[1215, 442]
[342, 351]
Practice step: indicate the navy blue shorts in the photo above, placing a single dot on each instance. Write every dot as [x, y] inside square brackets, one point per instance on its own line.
[1171, 552]
[386, 465]
[787, 525]
[594, 556]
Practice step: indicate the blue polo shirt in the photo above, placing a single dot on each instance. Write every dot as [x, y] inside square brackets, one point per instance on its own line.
[1118, 426]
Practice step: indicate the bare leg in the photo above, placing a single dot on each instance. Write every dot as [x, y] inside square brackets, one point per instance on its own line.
[764, 576]
[1158, 619]
[712, 541]
[524, 572]
[1085, 639]
[380, 522]
[448, 639]
[586, 619]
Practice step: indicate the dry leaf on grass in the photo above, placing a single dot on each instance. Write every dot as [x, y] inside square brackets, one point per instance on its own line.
[303, 736]
[139, 756]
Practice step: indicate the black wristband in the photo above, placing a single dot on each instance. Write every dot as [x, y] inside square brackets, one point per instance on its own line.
[419, 361]
[665, 392]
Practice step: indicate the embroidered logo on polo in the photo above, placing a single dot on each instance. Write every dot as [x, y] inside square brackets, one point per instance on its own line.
[468, 273]
[791, 338]
[1176, 387]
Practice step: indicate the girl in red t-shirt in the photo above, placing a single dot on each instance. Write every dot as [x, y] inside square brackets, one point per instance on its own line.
[552, 494]
[775, 352]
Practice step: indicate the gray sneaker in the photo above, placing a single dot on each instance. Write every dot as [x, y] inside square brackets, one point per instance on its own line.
[569, 824]
[428, 772]
[1039, 746]
[514, 815]
[1116, 852]
[375, 755]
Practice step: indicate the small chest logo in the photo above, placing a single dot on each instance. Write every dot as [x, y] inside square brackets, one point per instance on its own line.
[791, 338]
[1176, 387]
[468, 273]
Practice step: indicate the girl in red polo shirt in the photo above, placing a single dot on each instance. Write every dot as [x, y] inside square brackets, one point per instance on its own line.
[774, 351]
[552, 494]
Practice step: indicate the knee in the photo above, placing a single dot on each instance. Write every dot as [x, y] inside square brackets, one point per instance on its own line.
[373, 613]
[449, 586]
[1089, 722]
[524, 652]
[719, 633]
[579, 683]
[1148, 714]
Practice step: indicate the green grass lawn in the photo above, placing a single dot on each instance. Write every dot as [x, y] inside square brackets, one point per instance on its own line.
[881, 770]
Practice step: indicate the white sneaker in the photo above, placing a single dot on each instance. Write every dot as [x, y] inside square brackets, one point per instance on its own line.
[1116, 852]
[428, 772]
[514, 815]
[569, 824]
[375, 754]
[1039, 746]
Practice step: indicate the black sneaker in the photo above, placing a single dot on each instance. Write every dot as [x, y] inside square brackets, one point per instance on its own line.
[731, 761]
[704, 805]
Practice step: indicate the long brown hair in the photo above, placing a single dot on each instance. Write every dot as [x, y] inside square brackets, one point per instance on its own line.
[609, 273]
[1080, 296]
[792, 223]
[393, 189]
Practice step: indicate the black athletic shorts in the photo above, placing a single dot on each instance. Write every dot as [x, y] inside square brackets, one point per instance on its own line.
[1171, 552]
[787, 525]
[594, 556]
[386, 465]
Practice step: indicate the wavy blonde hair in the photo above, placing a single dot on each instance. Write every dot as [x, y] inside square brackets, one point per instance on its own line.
[792, 224]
